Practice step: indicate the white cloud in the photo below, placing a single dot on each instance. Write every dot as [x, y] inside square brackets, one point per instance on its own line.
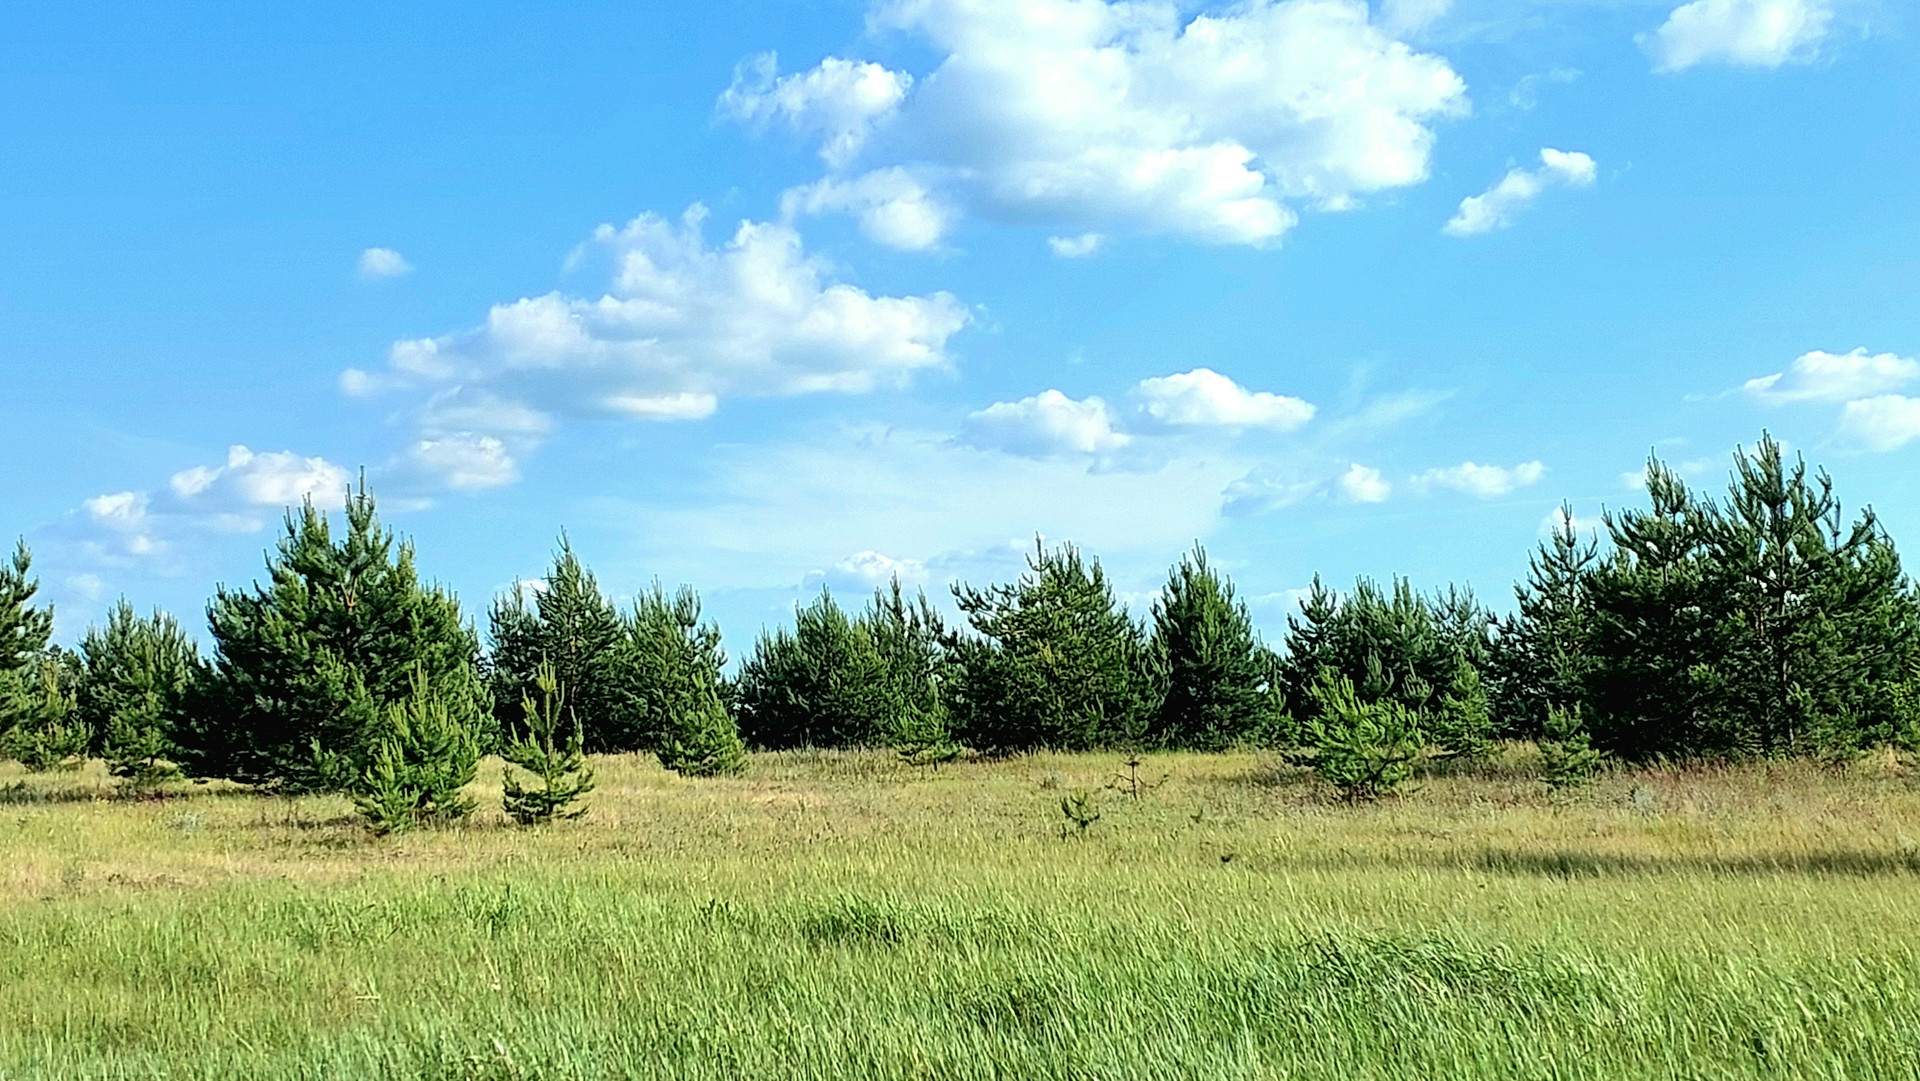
[1747, 33]
[378, 263]
[1481, 481]
[1828, 377]
[839, 101]
[465, 462]
[1075, 247]
[1411, 16]
[893, 207]
[1128, 115]
[873, 569]
[1203, 397]
[119, 528]
[681, 327]
[1883, 422]
[1496, 207]
[1362, 484]
[1047, 424]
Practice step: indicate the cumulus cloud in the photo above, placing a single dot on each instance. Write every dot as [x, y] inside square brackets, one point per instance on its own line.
[1747, 33]
[1827, 377]
[1203, 397]
[682, 326]
[1496, 207]
[891, 205]
[838, 101]
[1362, 484]
[1883, 422]
[378, 263]
[1046, 425]
[1481, 481]
[874, 569]
[238, 496]
[1108, 116]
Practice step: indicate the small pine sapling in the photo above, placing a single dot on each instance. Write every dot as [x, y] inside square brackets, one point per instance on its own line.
[1363, 749]
[419, 766]
[1078, 808]
[922, 738]
[1567, 758]
[560, 767]
[701, 738]
[136, 744]
[1462, 726]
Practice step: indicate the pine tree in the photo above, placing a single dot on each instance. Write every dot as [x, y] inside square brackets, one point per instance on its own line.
[306, 667]
[1461, 724]
[1055, 661]
[1392, 645]
[25, 632]
[551, 754]
[676, 672]
[1215, 669]
[45, 733]
[910, 638]
[824, 684]
[1567, 757]
[140, 676]
[570, 625]
[1364, 749]
[1542, 653]
[423, 758]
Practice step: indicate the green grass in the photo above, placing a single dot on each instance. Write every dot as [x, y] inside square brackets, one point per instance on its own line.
[841, 915]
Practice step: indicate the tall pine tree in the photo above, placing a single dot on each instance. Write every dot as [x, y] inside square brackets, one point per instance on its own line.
[307, 666]
[822, 684]
[676, 674]
[141, 673]
[1214, 667]
[571, 626]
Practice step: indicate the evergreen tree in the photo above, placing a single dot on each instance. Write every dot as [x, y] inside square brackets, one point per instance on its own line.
[1567, 757]
[1461, 724]
[425, 754]
[306, 667]
[1541, 653]
[676, 674]
[1054, 660]
[550, 753]
[25, 632]
[1214, 666]
[140, 677]
[570, 625]
[911, 638]
[1393, 645]
[44, 732]
[824, 684]
[1363, 748]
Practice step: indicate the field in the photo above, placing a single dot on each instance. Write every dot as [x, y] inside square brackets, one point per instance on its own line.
[844, 915]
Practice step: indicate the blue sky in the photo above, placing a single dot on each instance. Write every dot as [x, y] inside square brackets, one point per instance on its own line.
[762, 297]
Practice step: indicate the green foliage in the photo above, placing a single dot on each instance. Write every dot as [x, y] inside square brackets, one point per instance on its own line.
[1054, 661]
[1460, 723]
[306, 667]
[677, 662]
[823, 684]
[1543, 653]
[425, 754]
[141, 673]
[1364, 749]
[1080, 811]
[1392, 646]
[1567, 757]
[1216, 692]
[572, 627]
[1762, 626]
[550, 753]
[45, 732]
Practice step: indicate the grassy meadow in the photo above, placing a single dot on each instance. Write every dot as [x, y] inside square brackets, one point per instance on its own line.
[845, 915]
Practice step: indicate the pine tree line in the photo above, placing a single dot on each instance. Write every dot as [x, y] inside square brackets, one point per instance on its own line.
[1762, 624]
